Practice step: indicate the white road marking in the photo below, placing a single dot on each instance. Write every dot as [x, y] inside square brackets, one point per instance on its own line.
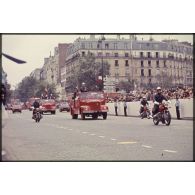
[145, 146]
[84, 132]
[93, 134]
[61, 127]
[131, 142]
[171, 151]
[101, 136]
[113, 139]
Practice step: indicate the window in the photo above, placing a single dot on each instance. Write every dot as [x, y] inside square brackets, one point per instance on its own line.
[107, 46]
[99, 53]
[117, 75]
[83, 45]
[149, 73]
[142, 72]
[157, 63]
[126, 63]
[83, 53]
[116, 63]
[116, 55]
[149, 55]
[164, 55]
[107, 54]
[115, 46]
[141, 54]
[165, 64]
[98, 45]
[126, 54]
[125, 45]
[90, 45]
[149, 63]
[142, 63]
[150, 80]
[157, 55]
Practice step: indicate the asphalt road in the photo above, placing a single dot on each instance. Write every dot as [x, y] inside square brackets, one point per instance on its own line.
[60, 138]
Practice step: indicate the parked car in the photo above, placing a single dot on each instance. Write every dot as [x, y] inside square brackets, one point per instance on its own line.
[64, 106]
[48, 105]
[17, 108]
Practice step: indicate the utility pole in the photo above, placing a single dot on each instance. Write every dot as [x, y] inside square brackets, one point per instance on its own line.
[131, 58]
[101, 41]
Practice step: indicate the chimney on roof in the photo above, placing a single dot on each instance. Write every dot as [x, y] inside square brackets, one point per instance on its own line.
[151, 38]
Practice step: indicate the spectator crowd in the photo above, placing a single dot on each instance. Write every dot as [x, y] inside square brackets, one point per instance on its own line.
[172, 93]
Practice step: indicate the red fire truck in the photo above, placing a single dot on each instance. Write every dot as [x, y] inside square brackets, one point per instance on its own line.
[88, 104]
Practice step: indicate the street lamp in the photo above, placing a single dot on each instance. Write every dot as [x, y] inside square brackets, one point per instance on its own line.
[101, 41]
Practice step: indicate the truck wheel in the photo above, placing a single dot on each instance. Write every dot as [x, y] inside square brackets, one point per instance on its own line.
[104, 116]
[82, 116]
[94, 116]
[75, 116]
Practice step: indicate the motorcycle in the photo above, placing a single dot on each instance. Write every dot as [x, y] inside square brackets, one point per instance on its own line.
[146, 112]
[163, 115]
[37, 115]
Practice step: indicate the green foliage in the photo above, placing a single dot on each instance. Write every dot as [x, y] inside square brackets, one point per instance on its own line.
[30, 87]
[9, 92]
[88, 72]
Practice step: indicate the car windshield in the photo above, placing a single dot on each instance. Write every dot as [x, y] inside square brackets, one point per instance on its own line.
[93, 95]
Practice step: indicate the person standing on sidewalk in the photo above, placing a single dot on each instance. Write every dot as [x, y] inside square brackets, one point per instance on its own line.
[125, 106]
[116, 106]
[177, 106]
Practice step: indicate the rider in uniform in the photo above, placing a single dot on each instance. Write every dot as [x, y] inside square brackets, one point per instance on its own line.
[158, 98]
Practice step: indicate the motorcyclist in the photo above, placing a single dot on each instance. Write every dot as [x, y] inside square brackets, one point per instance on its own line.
[158, 98]
[144, 103]
[35, 105]
[83, 88]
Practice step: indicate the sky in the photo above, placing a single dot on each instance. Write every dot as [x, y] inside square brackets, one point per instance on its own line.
[34, 48]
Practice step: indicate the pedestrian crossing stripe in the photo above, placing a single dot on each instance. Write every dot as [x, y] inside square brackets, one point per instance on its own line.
[132, 142]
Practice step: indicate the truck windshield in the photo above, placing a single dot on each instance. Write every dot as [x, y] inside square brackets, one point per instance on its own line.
[94, 95]
[48, 101]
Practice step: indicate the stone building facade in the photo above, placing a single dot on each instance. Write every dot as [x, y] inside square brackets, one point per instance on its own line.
[145, 63]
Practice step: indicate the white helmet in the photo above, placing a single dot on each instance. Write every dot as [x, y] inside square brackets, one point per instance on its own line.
[144, 97]
[158, 88]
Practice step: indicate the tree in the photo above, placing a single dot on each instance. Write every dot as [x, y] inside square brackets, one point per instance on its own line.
[88, 72]
[9, 92]
[30, 87]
